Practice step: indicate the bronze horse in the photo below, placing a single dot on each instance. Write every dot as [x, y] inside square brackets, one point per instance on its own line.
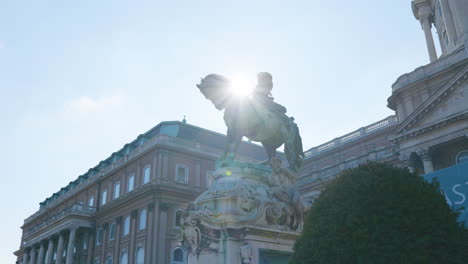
[256, 120]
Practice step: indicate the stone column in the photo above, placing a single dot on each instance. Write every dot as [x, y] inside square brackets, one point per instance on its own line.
[118, 224]
[407, 162]
[149, 232]
[40, 256]
[71, 245]
[426, 157]
[425, 16]
[91, 239]
[59, 259]
[161, 241]
[32, 258]
[131, 250]
[50, 251]
[25, 256]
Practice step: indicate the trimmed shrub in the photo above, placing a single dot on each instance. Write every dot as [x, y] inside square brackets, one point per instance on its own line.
[380, 214]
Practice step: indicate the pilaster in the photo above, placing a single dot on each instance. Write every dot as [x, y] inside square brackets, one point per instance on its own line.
[149, 231]
[163, 208]
[131, 250]
[118, 223]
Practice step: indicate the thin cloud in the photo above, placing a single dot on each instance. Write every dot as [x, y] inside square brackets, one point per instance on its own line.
[86, 104]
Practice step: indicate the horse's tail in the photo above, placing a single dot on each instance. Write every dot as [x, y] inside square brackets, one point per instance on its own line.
[293, 146]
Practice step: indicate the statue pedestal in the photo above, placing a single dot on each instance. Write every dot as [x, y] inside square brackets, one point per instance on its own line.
[242, 218]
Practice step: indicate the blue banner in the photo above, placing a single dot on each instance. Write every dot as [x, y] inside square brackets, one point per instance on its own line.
[454, 183]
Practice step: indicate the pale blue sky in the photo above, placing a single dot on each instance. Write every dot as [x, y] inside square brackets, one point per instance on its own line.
[79, 79]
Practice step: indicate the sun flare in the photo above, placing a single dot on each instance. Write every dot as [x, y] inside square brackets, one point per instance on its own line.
[241, 86]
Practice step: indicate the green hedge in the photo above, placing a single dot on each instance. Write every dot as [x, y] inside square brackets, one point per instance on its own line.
[380, 214]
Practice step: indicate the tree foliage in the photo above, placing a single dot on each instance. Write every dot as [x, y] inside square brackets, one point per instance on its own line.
[380, 214]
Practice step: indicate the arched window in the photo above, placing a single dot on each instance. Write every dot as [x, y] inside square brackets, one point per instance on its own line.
[140, 256]
[178, 256]
[178, 217]
[146, 174]
[112, 231]
[109, 260]
[126, 226]
[124, 258]
[116, 190]
[99, 236]
[142, 224]
[104, 197]
[131, 183]
[462, 157]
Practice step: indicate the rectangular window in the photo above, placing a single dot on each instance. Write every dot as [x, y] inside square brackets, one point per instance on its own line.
[181, 174]
[131, 183]
[116, 190]
[104, 197]
[146, 174]
[91, 200]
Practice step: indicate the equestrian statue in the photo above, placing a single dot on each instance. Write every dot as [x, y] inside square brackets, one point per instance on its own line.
[256, 117]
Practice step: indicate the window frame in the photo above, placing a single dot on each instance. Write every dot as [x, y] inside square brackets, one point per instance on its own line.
[186, 177]
[104, 197]
[112, 231]
[116, 190]
[122, 257]
[99, 236]
[173, 261]
[132, 177]
[145, 180]
[139, 249]
[91, 200]
[177, 223]
[109, 260]
[126, 223]
[142, 218]
[459, 155]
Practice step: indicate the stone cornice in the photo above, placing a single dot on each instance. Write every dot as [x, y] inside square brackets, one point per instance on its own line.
[441, 65]
[426, 129]
[432, 102]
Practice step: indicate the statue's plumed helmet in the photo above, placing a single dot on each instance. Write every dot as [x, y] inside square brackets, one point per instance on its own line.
[212, 81]
[264, 76]
[214, 86]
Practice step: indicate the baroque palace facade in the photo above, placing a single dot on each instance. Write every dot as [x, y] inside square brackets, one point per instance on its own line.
[127, 208]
